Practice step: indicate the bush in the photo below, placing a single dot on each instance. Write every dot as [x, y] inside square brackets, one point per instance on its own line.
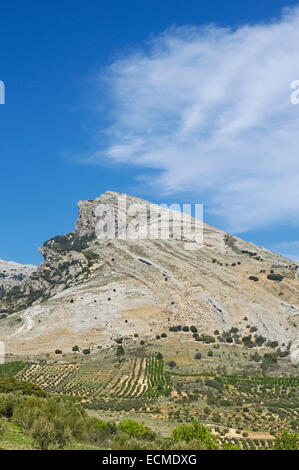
[247, 340]
[253, 278]
[231, 446]
[163, 335]
[50, 435]
[275, 277]
[268, 361]
[193, 329]
[233, 330]
[86, 351]
[186, 328]
[259, 340]
[198, 355]
[173, 328]
[3, 427]
[255, 357]
[6, 405]
[120, 351]
[75, 348]
[53, 421]
[135, 429]
[58, 351]
[194, 431]
[216, 419]
[99, 430]
[284, 353]
[286, 441]
[171, 364]
[12, 385]
[206, 339]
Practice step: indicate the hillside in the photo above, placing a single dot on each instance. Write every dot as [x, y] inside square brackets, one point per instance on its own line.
[13, 274]
[91, 291]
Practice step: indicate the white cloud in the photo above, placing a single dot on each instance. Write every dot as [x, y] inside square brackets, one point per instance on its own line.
[210, 109]
[288, 249]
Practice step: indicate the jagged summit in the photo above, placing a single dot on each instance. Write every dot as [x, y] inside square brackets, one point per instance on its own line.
[91, 290]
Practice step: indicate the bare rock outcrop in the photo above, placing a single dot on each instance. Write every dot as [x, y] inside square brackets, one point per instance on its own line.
[13, 274]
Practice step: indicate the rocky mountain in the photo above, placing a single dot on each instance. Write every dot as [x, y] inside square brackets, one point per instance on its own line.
[92, 289]
[13, 274]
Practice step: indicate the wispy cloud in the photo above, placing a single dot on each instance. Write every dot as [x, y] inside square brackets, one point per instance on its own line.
[210, 109]
[288, 249]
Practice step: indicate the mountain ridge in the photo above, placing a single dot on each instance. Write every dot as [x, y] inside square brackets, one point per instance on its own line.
[93, 291]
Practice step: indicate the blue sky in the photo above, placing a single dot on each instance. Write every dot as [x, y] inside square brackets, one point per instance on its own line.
[145, 98]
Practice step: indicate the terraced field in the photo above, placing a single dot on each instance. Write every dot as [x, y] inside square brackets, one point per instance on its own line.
[133, 378]
[168, 383]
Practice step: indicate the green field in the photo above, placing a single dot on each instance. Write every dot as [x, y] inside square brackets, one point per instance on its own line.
[244, 398]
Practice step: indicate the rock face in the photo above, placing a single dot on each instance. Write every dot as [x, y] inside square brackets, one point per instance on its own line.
[13, 274]
[92, 288]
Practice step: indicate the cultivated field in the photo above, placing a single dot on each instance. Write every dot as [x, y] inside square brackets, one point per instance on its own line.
[175, 380]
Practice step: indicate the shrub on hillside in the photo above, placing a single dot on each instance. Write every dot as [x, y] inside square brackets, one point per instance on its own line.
[171, 364]
[207, 339]
[269, 360]
[197, 431]
[275, 277]
[120, 351]
[135, 429]
[99, 431]
[13, 385]
[286, 441]
[50, 434]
